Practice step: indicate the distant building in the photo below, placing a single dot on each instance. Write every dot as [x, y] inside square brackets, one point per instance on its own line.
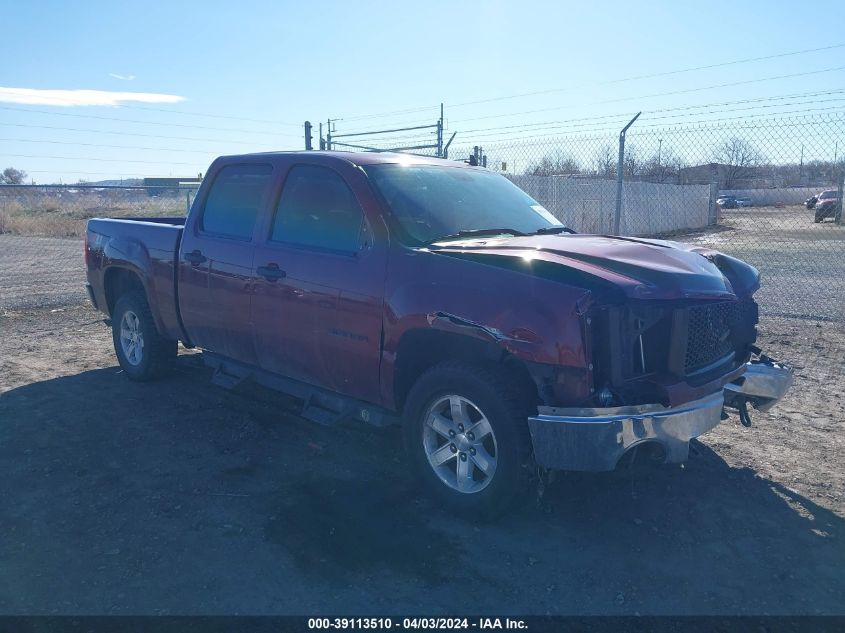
[169, 185]
[704, 174]
[172, 182]
[730, 176]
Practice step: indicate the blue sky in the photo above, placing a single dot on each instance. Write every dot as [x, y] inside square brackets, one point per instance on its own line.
[274, 64]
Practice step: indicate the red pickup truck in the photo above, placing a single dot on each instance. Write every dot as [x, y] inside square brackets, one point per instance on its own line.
[386, 288]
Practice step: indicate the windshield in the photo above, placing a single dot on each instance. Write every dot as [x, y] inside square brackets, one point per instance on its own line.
[429, 202]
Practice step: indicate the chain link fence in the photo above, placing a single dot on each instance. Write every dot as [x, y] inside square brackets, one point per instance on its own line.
[42, 228]
[739, 186]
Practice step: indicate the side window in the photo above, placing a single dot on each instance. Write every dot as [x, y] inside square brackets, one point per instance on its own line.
[232, 205]
[318, 209]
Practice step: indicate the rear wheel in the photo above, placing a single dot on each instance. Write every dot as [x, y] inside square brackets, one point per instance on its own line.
[466, 435]
[141, 351]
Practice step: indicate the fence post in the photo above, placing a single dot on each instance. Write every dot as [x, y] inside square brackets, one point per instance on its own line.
[839, 203]
[617, 216]
[440, 133]
[187, 202]
[713, 213]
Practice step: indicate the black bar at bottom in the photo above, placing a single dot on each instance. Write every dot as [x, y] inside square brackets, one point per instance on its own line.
[534, 624]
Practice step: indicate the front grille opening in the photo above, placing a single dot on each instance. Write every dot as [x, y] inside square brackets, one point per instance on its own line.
[651, 344]
[710, 337]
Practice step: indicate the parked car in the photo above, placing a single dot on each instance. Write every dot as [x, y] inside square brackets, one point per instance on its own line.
[726, 202]
[826, 205]
[743, 201]
[384, 288]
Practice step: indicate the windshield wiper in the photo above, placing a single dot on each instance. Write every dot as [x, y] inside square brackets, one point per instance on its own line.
[477, 233]
[553, 230]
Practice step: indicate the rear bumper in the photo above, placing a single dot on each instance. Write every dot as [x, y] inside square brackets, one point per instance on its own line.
[595, 439]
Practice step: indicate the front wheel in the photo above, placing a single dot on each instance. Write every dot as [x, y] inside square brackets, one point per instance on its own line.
[466, 435]
[142, 352]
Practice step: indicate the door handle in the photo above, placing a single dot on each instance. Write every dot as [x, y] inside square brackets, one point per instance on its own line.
[195, 257]
[271, 272]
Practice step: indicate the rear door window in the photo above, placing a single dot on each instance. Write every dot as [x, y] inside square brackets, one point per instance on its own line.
[232, 206]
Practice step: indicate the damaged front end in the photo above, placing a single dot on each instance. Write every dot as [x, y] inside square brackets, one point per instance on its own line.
[662, 374]
[595, 439]
[764, 382]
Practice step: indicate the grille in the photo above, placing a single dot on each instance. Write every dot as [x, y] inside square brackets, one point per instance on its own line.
[710, 333]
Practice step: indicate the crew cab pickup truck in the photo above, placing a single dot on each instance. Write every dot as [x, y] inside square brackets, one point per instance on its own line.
[385, 288]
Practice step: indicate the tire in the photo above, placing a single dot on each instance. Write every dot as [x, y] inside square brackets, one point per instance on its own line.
[142, 352]
[480, 476]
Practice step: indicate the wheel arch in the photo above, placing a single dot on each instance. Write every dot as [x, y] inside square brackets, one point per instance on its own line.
[118, 281]
[420, 349]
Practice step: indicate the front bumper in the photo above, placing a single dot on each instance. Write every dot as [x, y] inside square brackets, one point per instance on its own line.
[595, 439]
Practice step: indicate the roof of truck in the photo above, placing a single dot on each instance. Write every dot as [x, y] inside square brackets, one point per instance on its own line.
[365, 158]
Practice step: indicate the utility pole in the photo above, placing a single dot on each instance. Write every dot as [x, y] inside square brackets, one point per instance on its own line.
[308, 137]
[322, 140]
[617, 216]
[440, 134]
[659, 148]
[801, 165]
[329, 134]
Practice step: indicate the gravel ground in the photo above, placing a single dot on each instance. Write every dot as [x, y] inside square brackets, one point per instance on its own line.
[180, 497]
[40, 271]
[802, 263]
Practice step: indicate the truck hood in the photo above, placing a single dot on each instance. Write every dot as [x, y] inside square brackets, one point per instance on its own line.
[640, 268]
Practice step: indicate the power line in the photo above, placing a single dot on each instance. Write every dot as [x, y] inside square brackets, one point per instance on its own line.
[691, 126]
[648, 116]
[87, 173]
[609, 82]
[661, 94]
[159, 149]
[650, 76]
[104, 118]
[183, 112]
[627, 115]
[393, 112]
[102, 160]
[169, 137]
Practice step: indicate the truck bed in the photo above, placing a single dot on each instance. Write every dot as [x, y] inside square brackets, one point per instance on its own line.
[148, 246]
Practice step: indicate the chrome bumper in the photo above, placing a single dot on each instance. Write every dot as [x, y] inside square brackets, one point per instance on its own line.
[762, 385]
[595, 439]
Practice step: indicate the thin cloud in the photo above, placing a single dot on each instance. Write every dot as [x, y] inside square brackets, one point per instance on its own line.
[71, 98]
[122, 77]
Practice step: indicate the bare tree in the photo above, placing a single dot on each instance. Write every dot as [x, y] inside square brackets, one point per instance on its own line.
[605, 161]
[661, 167]
[631, 163]
[740, 159]
[555, 164]
[12, 176]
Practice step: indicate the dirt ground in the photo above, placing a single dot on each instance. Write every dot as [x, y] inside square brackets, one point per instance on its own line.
[178, 497]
